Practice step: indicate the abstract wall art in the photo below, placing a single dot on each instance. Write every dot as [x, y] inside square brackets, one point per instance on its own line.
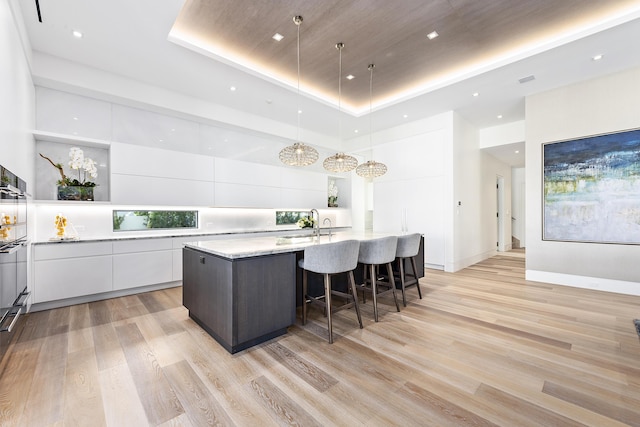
[591, 189]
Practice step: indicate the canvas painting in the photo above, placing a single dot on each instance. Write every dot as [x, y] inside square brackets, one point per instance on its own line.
[592, 189]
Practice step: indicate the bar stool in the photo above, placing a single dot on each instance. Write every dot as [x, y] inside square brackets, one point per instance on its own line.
[329, 259]
[408, 247]
[373, 253]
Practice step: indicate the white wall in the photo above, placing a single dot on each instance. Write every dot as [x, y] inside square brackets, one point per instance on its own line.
[518, 205]
[17, 97]
[475, 200]
[598, 106]
[508, 133]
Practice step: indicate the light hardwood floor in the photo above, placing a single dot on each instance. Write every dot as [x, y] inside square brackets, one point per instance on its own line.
[483, 347]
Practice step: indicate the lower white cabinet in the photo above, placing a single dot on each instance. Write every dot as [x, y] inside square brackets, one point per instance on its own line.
[69, 270]
[142, 262]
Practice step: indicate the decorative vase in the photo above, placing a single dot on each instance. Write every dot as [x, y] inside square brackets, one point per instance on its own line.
[75, 192]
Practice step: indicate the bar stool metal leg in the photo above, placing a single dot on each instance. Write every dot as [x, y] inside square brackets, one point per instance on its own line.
[374, 291]
[393, 285]
[304, 297]
[352, 281]
[415, 274]
[327, 299]
[401, 268]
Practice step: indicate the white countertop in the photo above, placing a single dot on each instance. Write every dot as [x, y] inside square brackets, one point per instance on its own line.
[258, 246]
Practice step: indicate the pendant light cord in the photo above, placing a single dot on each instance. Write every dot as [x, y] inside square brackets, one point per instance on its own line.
[371, 67]
[298, 21]
[339, 46]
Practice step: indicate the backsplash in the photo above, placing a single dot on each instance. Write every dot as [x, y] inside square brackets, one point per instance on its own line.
[94, 220]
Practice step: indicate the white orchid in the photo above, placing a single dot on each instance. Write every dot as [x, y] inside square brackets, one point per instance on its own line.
[81, 164]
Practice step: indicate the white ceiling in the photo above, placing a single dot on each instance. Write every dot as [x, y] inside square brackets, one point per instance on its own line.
[130, 38]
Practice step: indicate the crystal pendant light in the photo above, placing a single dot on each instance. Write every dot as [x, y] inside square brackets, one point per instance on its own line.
[298, 154]
[371, 169]
[340, 162]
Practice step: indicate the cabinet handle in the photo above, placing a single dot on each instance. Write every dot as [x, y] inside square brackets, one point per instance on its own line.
[13, 322]
[201, 260]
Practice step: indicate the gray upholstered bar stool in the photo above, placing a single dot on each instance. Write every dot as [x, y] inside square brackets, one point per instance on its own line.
[373, 253]
[408, 247]
[329, 259]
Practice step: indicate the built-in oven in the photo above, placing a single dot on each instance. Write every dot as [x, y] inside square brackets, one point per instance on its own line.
[13, 255]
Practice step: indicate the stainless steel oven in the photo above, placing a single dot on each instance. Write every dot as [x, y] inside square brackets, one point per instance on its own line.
[13, 255]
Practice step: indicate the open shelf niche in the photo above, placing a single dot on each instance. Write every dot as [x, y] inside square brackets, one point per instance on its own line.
[57, 147]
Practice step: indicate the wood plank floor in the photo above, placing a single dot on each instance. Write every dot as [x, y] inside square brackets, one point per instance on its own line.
[483, 347]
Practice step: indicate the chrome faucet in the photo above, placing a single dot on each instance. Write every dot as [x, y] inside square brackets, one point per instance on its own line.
[316, 225]
[330, 225]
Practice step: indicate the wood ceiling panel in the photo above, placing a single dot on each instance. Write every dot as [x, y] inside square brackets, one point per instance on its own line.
[390, 34]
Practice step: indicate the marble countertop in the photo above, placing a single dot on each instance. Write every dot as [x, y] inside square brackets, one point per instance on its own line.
[190, 236]
[258, 246]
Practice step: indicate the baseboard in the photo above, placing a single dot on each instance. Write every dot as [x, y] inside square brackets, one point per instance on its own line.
[48, 305]
[466, 262]
[584, 282]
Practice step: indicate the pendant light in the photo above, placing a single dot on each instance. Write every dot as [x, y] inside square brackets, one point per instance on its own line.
[298, 154]
[340, 162]
[371, 169]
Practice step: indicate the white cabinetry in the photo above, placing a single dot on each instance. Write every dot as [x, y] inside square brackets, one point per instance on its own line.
[142, 262]
[244, 184]
[413, 193]
[70, 270]
[152, 176]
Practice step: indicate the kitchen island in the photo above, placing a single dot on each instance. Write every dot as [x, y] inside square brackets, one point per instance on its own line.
[243, 291]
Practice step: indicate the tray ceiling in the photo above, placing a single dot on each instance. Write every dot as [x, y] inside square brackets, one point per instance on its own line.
[474, 36]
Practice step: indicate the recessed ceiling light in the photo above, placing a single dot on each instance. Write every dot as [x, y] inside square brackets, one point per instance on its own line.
[232, 88]
[597, 57]
[173, 130]
[517, 151]
[351, 77]
[161, 140]
[299, 111]
[75, 118]
[476, 94]
[77, 34]
[405, 116]
[432, 35]
[277, 37]
[499, 116]
[355, 131]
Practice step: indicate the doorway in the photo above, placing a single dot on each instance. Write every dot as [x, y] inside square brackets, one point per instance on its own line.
[500, 214]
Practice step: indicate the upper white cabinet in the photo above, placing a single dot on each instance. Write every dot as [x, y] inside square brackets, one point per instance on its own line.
[140, 127]
[73, 115]
[244, 184]
[238, 172]
[148, 158]
[131, 159]
[144, 175]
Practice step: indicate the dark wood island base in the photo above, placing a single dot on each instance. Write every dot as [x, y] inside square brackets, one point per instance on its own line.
[240, 302]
